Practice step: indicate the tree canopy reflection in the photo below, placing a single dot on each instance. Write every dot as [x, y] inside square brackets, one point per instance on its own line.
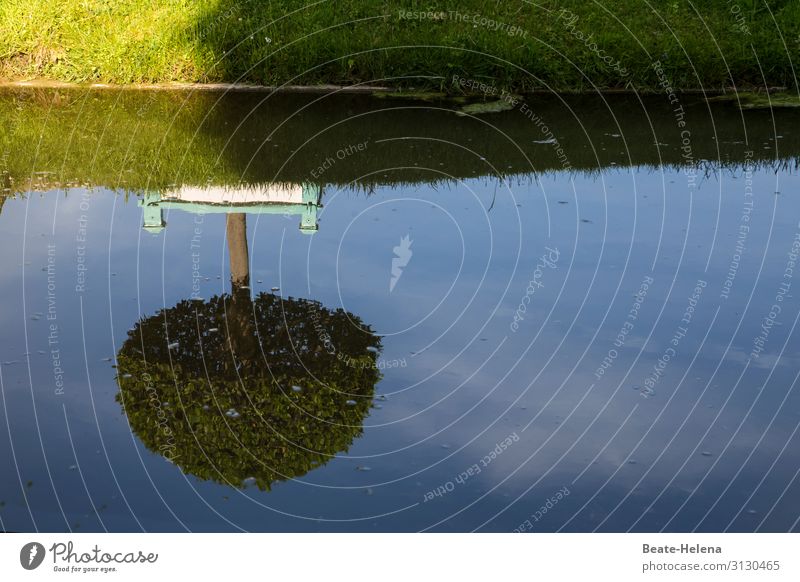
[240, 389]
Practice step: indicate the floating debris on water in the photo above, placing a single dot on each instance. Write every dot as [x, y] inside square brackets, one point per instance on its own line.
[249, 482]
[275, 289]
[360, 468]
[707, 454]
[486, 107]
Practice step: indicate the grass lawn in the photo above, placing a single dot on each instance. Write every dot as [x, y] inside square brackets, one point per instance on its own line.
[452, 46]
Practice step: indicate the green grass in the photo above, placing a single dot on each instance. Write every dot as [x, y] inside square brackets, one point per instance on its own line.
[709, 44]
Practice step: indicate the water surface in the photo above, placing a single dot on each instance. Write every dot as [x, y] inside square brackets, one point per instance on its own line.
[321, 312]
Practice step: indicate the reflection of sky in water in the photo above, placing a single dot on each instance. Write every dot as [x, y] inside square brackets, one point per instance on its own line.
[467, 381]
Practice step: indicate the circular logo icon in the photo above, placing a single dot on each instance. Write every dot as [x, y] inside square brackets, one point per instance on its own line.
[31, 555]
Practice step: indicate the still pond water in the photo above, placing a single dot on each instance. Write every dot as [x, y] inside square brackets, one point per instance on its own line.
[321, 312]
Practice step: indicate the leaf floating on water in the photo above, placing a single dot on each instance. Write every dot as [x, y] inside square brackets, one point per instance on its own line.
[487, 107]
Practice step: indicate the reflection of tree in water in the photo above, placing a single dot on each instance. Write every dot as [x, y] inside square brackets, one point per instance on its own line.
[237, 388]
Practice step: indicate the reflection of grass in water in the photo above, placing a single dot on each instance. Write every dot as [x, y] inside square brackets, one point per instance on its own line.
[276, 433]
[121, 140]
[273, 42]
[141, 140]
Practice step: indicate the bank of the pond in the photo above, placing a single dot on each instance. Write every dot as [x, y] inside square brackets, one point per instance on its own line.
[453, 46]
